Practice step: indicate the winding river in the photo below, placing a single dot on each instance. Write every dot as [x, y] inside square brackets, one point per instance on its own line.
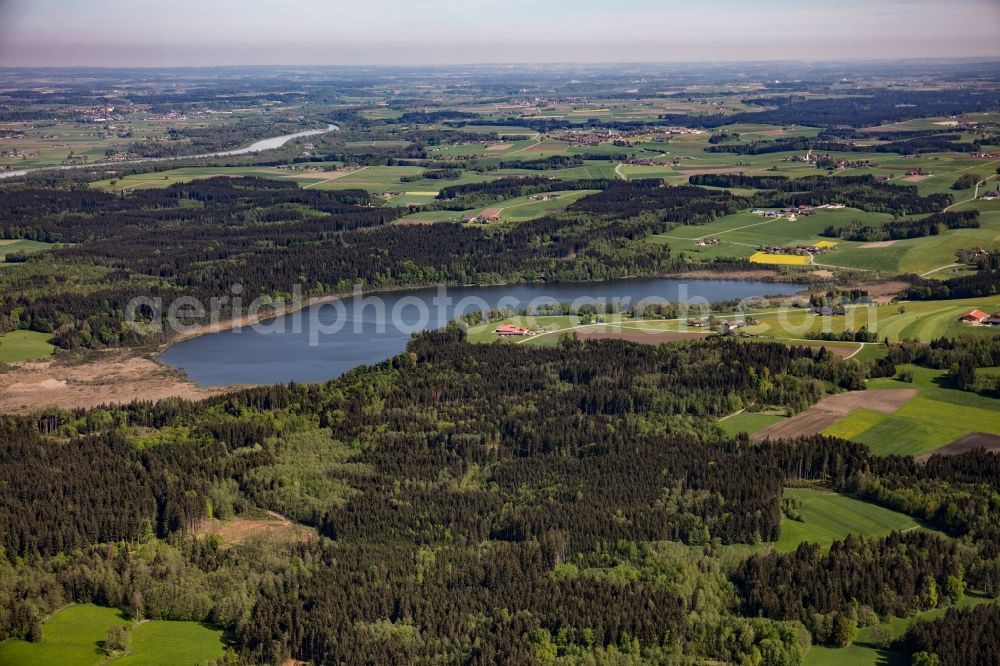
[325, 341]
[256, 147]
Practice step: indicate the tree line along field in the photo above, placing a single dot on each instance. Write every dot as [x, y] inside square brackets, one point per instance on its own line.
[330, 177]
[937, 416]
[75, 636]
[868, 648]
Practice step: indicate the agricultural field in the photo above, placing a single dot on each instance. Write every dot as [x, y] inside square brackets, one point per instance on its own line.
[748, 422]
[74, 636]
[187, 174]
[937, 416]
[20, 346]
[740, 235]
[54, 142]
[10, 246]
[829, 516]
[910, 320]
[923, 320]
[518, 209]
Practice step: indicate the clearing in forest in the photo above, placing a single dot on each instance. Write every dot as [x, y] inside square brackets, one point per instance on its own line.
[828, 516]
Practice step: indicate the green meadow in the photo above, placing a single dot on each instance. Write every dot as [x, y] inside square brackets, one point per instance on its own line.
[19, 346]
[937, 416]
[748, 422]
[909, 320]
[74, 636]
[830, 516]
[739, 235]
[518, 209]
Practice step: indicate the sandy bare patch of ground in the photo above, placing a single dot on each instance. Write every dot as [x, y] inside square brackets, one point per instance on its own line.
[881, 292]
[113, 377]
[500, 146]
[970, 442]
[650, 338]
[822, 274]
[842, 352]
[881, 400]
[877, 244]
[915, 179]
[828, 410]
[269, 525]
[491, 212]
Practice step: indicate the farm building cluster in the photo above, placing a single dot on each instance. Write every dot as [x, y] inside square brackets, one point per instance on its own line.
[787, 213]
[980, 318]
[972, 256]
[828, 311]
[488, 215]
[511, 331]
[800, 250]
[731, 327]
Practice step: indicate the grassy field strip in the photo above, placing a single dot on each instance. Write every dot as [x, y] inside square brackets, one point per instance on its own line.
[830, 516]
[139, 184]
[662, 326]
[940, 268]
[537, 143]
[632, 325]
[528, 203]
[20, 346]
[748, 422]
[756, 224]
[335, 177]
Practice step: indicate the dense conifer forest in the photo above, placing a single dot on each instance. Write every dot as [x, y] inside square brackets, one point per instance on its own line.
[558, 497]
[478, 502]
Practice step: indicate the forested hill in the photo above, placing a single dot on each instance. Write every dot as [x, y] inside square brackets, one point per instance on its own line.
[478, 503]
[201, 238]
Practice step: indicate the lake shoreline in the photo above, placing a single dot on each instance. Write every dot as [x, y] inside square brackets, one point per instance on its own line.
[233, 323]
[120, 376]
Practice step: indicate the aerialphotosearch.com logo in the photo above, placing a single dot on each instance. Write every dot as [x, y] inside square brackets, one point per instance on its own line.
[405, 313]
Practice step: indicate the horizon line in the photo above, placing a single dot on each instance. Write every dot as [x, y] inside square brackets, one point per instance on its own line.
[553, 63]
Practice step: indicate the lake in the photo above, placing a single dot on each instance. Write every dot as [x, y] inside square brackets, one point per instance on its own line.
[325, 341]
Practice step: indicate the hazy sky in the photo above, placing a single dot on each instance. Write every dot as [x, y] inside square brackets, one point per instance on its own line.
[236, 32]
